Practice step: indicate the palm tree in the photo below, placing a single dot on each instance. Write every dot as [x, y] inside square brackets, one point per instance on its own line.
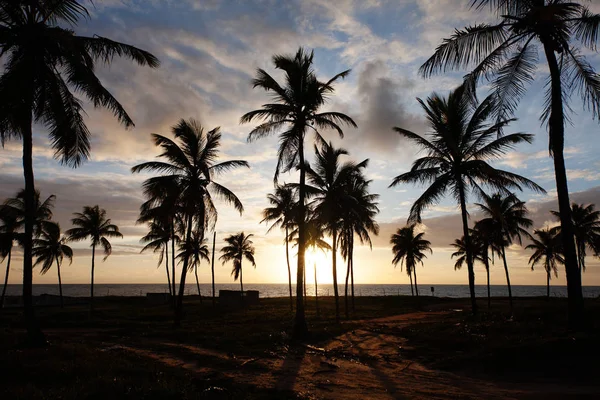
[484, 234]
[507, 54]
[478, 251]
[507, 216]
[51, 247]
[93, 224]
[239, 246]
[296, 109]
[586, 225]
[458, 148]
[45, 60]
[410, 249]
[42, 210]
[8, 234]
[281, 213]
[547, 248]
[189, 172]
[157, 239]
[329, 183]
[195, 250]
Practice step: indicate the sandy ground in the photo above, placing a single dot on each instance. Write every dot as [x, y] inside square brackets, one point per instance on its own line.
[362, 364]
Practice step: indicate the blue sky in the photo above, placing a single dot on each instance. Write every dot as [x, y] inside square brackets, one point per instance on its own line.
[209, 51]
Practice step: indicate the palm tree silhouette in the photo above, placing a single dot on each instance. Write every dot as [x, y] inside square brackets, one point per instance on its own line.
[478, 252]
[195, 250]
[586, 225]
[547, 248]
[329, 182]
[9, 232]
[42, 211]
[410, 249]
[189, 172]
[157, 239]
[239, 246]
[507, 215]
[484, 235]
[458, 149]
[284, 205]
[92, 224]
[507, 55]
[45, 61]
[50, 247]
[296, 109]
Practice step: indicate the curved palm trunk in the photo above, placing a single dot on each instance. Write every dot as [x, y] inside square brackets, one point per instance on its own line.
[412, 292]
[167, 267]
[316, 291]
[173, 263]
[212, 267]
[510, 300]
[415, 274]
[62, 305]
[287, 257]
[465, 223]
[300, 327]
[179, 307]
[487, 272]
[352, 270]
[92, 280]
[241, 282]
[334, 267]
[6, 278]
[346, 286]
[197, 283]
[557, 138]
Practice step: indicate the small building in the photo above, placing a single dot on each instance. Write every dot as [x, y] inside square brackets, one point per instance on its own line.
[235, 297]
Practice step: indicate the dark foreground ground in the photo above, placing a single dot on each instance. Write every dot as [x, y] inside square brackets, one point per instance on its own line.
[389, 348]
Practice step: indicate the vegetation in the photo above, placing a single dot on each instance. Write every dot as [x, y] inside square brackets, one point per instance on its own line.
[409, 248]
[239, 246]
[547, 250]
[195, 250]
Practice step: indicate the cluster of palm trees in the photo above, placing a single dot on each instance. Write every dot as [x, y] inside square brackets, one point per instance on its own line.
[50, 246]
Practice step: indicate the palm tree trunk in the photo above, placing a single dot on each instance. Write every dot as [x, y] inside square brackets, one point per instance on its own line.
[465, 223]
[510, 300]
[352, 270]
[167, 266]
[241, 282]
[487, 272]
[62, 305]
[300, 327]
[548, 285]
[316, 291]
[35, 336]
[412, 292]
[557, 138]
[92, 280]
[346, 286]
[173, 263]
[305, 287]
[287, 257]
[6, 278]
[416, 286]
[179, 307]
[197, 283]
[212, 267]
[334, 267]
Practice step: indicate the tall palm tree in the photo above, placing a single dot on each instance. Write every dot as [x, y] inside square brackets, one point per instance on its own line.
[195, 250]
[484, 234]
[586, 225]
[50, 247]
[478, 252]
[409, 248]
[42, 210]
[239, 246]
[282, 214]
[295, 109]
[547, 249]
[459, 146]
[506, 53]
[93, 224]
[44, 61]
[9, 226]
[189, 170]
[157, 239]
[508, 217]
[330, 181]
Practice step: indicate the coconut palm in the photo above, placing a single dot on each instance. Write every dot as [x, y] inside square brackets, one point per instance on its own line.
[330, 181]
[42, 213]
[44, 62]
[477, 251]
[93, 224]
[157, 239]
[9, 226]
[547, 249]
[458, 148]
[50, 247]
[507, 217]
[586, 224]
[506, 54]
[195, 250]
[483, 234]
[296, 109]
[281, 214]
[189, 170]
[239, 246]
[409, 248]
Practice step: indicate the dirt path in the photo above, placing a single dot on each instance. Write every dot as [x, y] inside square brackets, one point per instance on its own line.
[367, 363]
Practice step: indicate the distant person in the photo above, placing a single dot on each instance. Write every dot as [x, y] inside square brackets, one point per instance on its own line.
[432, 290]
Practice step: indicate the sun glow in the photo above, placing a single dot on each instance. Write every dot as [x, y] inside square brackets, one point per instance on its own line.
[322, 260]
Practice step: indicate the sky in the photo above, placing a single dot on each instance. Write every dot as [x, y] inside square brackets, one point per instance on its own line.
[209, 52]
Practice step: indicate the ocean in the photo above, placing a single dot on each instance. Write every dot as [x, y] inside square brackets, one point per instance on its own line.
[281, 290]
